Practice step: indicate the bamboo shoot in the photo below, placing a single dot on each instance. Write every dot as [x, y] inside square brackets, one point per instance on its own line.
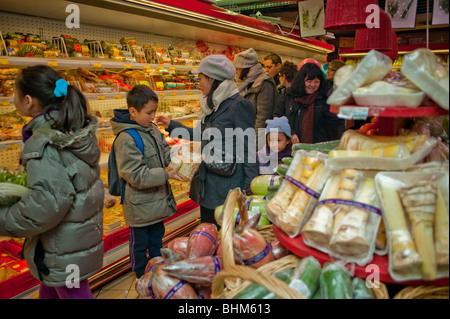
[347, 188]
[419, 201]
[319, 226]
[350, 237]
[441, 229]
[403, 254]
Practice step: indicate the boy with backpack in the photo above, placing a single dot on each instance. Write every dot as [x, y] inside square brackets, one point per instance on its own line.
[140, 154]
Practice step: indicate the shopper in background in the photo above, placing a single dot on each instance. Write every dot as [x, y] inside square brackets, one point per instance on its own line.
[286, 74]
[272, 64]
[304, 104]
[148, 198]
[257, 86]
[310, 60]
[333, 66]
[222, 110]
[278, 145]
[61, 215]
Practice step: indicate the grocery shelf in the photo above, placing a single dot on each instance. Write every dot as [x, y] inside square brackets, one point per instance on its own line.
[87, 63]
[359, 111]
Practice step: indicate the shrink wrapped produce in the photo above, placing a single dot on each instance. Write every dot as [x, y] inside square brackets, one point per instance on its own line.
[250, 247]
[360, 290]
[361, 151]
[346, 219]
[154, 261]
[199, 271]
[373, 67]
[298, 192]
[305, 278]
[385, 94]
[416, 220]
[335, 282]
[254, 204]
[165, 286]
[202, 241]
[260, 184]
[178, 244]
[185, 162]
[171, 255]
[425, 70]
[278, 250]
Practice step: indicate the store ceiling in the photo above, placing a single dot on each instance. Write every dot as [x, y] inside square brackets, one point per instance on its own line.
[288, 10]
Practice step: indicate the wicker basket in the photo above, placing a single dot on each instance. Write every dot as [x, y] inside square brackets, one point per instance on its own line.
[234, 278]
[225, 285]
[423, 292]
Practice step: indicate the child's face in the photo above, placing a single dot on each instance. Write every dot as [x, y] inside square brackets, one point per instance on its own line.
[145, 116]
[277, 142]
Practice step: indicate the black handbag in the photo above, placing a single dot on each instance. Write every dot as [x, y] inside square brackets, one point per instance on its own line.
[220, 163]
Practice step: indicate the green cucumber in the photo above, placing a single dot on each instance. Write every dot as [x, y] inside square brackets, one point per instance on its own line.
[317, 295]
[323, 147]
[305, 278]
[335, 282]
[255, 291]
[360, 290]
[287, 160]
[260, 184]
[282, 169]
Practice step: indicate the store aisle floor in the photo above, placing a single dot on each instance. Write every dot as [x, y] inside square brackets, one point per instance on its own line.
[123, 287]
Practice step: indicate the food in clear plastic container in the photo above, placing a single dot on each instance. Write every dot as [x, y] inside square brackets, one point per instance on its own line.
[299, 191]
[423, 68]
[373, 67]
[345, 221]
[415, 208]
[384, 94]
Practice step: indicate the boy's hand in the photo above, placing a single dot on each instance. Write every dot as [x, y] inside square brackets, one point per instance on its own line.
[295, 139]
[162, 120]
[173, 174]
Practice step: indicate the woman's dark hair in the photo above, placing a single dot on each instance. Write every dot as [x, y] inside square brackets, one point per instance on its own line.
[244, 74]
[39, 82]
[310, 71]
[214, 86]
[139, 96]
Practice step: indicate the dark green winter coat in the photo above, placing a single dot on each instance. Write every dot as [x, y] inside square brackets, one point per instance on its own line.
[61, 216]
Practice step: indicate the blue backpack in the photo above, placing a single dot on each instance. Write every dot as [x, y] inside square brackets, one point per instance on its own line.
[117, 184]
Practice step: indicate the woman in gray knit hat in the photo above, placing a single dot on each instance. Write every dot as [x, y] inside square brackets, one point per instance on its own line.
[257, 86]
[222, 110]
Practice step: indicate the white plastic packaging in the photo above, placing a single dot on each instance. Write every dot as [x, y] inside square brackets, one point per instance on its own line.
[407, 257]
[373, 67]
[423, 68]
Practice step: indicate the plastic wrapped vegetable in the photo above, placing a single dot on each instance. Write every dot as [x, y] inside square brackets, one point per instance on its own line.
[335, 282]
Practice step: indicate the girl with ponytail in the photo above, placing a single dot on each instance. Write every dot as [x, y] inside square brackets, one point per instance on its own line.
[61, 215]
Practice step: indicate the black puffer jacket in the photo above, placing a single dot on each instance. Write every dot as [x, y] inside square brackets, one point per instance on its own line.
[327, 126]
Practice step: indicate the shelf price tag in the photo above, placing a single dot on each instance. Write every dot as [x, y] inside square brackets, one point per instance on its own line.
[127, 66]
[100, 97]
[353, 113]
[189, 93]
[97, 64]
[5, 103]
[173, 93]
[53, 63]
[4, 61]
[162, 94]
[118, 96]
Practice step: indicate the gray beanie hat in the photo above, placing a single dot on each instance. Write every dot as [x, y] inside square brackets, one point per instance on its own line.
[245, 59]
[216, 66]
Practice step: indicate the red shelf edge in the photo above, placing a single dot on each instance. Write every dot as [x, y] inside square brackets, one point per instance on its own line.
[421, 111]
[297, 247]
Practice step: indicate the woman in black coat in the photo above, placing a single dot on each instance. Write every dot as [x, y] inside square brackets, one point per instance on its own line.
[227, 122]
[305, 106]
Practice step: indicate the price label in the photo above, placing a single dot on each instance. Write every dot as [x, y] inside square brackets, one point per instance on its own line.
[97, 64]
[118, 96]
[53, 63]
[100, 97]
[353, 113]
[4, 61]
[162, 94]
[173, 93]
[127, 66]
[189, 93]
[160, 67]
[147, 67]
[5, 103]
